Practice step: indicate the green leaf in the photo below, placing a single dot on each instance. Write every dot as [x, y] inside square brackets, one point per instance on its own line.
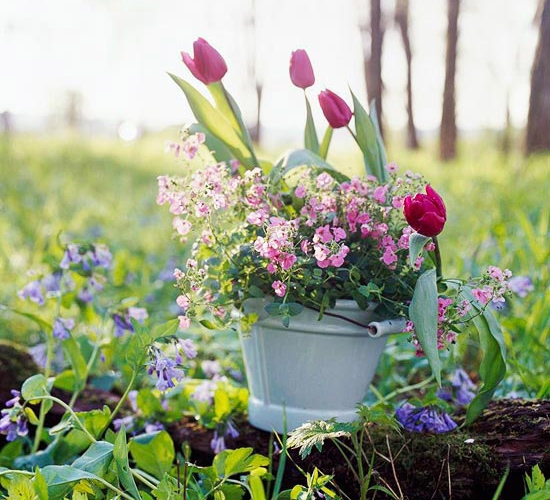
[379, 140]
[367, 141]
[239, 461]
[35, 386]
[167, 489]
[47, 327]
[416, 244]
[256, 488]
[164, 330]
[223, 106]
[492, 368]
[315, 433]
[40, 485]
[222, 406]
[311, 141]
[214, 121]
[78, 363]
[423, 313]
[120, 454]
[61, 477]
[323, 149]
[97, 459]
[217, 148]
[154, 453]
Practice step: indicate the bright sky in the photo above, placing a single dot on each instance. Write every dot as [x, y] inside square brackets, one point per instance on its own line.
[116, 53]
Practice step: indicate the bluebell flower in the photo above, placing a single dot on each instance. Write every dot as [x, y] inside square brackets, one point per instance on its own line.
[204, 391]
[32, 291]
[85, 295]
[188, 348]
[461, 390]
[62, 328]
[101, 256]
[217, 444]
[13, 421]
[424, 419]
[211, 368]
[521, 285]
[165, 369]
[151, 427]
[123, 323]
[71, 256]
[128, 422]
[52, 282]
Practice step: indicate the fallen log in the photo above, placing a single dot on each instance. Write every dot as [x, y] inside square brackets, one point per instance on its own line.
[466, 464]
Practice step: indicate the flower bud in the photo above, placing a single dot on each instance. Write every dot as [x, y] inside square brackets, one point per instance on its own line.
[335, 109]
[426, 213]
[301, 72]
[208, 65]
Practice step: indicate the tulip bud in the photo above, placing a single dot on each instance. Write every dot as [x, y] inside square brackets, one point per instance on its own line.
[426, 213]
[301, 72]
[208, 65]
[335, 109]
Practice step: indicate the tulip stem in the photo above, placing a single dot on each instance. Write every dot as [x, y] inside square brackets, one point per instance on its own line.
[354, 136]
[437, 253]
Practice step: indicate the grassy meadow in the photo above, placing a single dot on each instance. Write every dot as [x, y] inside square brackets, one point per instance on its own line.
[54, 190]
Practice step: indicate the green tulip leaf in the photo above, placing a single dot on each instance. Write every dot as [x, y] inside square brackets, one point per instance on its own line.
[416, 244]
[423, 313]
[311, 141]
[379, 140]
[215, 122]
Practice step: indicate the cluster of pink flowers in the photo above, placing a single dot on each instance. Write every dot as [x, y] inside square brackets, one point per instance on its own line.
[490, 289]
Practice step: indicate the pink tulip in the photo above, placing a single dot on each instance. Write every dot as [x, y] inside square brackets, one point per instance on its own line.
[301, 72]
[426, 213]
[208, 65]
[335, 109]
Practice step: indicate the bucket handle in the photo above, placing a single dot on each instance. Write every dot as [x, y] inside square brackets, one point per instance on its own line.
[377, 329]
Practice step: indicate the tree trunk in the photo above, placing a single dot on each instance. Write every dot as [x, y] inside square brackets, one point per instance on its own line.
[373, 61]
[402, 20]
[256, 132]
[447, 132]
[538, 121]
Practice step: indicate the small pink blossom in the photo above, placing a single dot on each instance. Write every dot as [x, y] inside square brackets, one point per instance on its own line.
[323, 234]
[300, 191]
[380, 194]
[172, 146]
[397, 202]
[257, 218]
[288, 261]
[324, 181]
[182, 226]
[339, 234]
[430, 246]
[183, 301]
[483, 295]
[279, 287]
[392, 168]
[178, 274]
[305, 246]
[463, 308]
[185, 321]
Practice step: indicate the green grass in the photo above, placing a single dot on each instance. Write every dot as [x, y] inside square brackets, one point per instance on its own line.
[71, 188]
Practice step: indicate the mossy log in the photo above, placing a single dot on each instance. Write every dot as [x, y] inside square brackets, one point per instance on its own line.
[465, 464]
[16, 365]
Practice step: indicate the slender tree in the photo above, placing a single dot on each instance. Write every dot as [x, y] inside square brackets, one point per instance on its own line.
[402, 21]
[447, 131]
[538, 120]
[373, 37]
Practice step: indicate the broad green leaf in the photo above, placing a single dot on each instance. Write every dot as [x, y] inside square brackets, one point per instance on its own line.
[216, 90]
[97, 459]
[216, 147]
[239, 461]
[215, 122]
[35, 386]
[367, 141]
[416, 244]
[120, 454]
[492, 368]
[311, 141]
[47, 327]
[40, 485]
[78, 363]
[325, 144]
[222, 406]
[167, 489]
[165, 330]
[60, 478]
[154, 453]
[423, 313]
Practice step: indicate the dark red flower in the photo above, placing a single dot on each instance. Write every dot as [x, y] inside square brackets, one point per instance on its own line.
[426, 213]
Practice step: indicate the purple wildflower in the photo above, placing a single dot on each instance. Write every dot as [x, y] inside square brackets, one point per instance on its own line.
[13, 422]
[521, 285]
[165, 369]
[463, 385]
[101, 256]
[15, 400]
[204, 391]
[85, 295]
[71, 256]
[32, 291]
[217, 445]
[128, 422]
[153, 427]
[211, 368]
[52, 282]
[137, 313]
[62, 327]
[231, 430]
[424, 419]
[188, 348]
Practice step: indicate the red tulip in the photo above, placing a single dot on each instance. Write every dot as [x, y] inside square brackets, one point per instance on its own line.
[335, 109]
[426, 213]
[301, 72]
[208, 65]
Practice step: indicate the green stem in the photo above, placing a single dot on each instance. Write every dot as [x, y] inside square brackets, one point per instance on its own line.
[121, 402]
[140, 477]
[360, 471]
[396, 392]
[438, 266]
[72, 413]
